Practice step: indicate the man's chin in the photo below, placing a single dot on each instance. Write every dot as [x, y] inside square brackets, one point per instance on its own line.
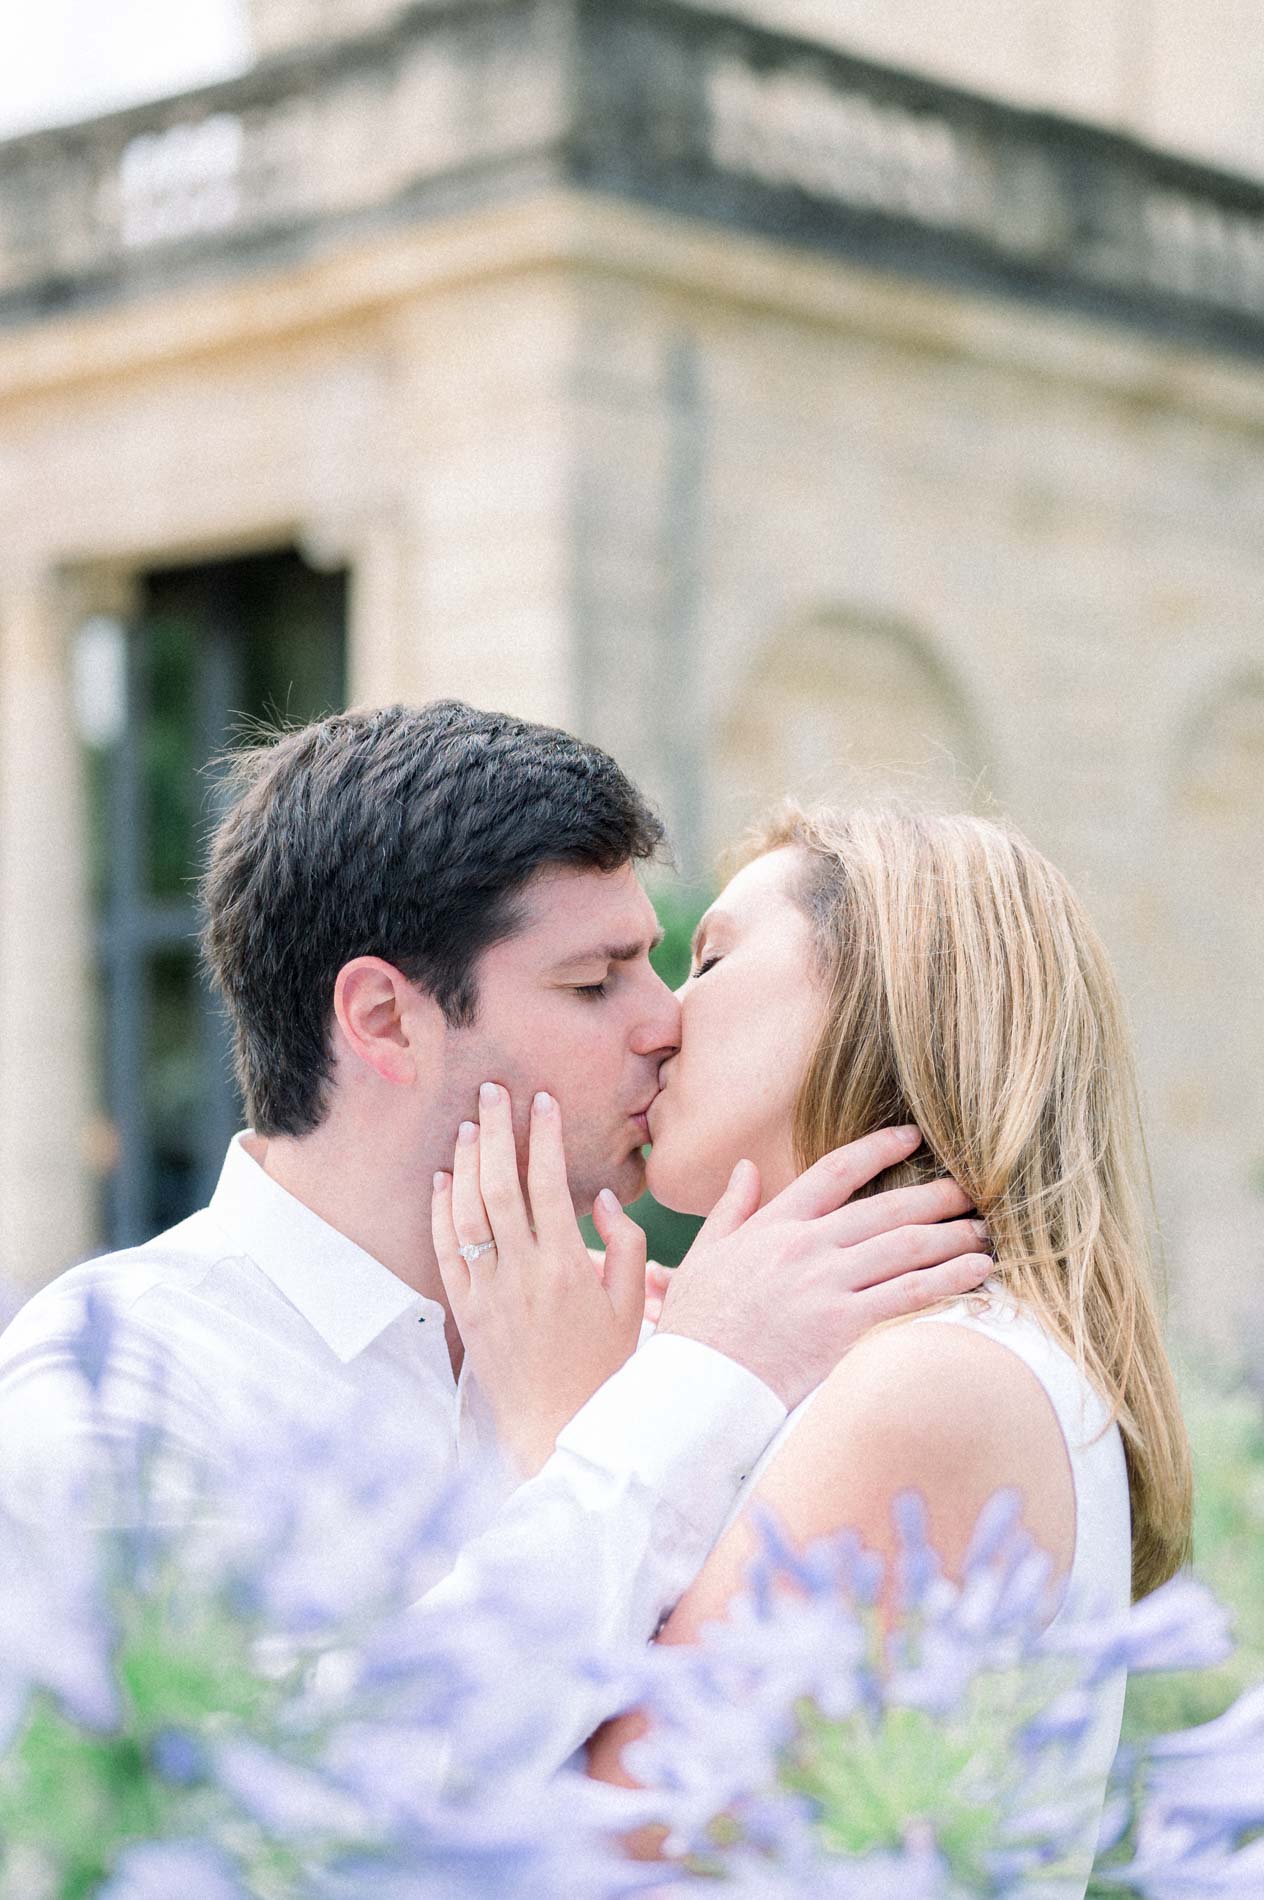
[626, 1181]
[624, 1178]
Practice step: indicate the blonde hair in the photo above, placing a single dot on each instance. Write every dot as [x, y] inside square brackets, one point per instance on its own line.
[969, 993]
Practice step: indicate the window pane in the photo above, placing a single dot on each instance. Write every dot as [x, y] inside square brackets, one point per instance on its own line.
[169, 655]
[217, 650]
[174, 1085]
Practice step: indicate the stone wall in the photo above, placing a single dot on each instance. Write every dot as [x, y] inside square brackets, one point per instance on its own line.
[414, 436]
[750, 517]
[1003, 561]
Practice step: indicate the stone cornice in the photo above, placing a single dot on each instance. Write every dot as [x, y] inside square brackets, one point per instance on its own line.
[339, 176]
[577, 235]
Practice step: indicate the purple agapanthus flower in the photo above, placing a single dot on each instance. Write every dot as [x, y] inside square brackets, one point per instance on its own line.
[307, 1729]
[58, 1631]
[1176, 1861]
[173, 1870]
[1178, 1626]
[94, 1340]
[1211, 1778]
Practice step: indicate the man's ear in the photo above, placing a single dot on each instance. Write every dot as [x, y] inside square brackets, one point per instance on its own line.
[385, 1020]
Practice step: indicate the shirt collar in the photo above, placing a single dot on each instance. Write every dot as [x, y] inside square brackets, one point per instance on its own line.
[343, 1293]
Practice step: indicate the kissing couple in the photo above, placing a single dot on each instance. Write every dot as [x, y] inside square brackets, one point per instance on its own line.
[896, 1081]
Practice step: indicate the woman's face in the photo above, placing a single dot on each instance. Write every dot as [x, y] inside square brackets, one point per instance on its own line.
[750, 1013]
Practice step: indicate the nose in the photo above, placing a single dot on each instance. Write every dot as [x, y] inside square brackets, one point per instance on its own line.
[658, 1032]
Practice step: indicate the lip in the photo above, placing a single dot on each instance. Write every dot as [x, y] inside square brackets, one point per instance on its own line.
[641, 1116]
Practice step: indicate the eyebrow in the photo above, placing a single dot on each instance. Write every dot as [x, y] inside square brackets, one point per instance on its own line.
[612, 952]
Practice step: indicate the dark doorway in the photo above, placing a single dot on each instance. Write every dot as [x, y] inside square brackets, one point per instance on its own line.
[214, 650]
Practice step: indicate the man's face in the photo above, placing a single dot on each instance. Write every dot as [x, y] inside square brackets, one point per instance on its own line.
[570, 1004]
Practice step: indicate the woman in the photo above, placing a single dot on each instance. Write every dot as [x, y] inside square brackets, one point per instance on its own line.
[878, 968]
[881, 967]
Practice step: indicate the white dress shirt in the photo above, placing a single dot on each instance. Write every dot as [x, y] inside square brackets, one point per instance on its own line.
[251, 1315]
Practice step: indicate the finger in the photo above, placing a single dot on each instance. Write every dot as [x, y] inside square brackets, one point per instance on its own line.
[552, 1210]
[832, 1181]
[469, 1216]
[900, 1207]
[914, 1292]
[735, 1206]
[913, 1249]
[452, 1269]
[498, 1172]
[657, 1278]
[657, 1281]
[625, 1259]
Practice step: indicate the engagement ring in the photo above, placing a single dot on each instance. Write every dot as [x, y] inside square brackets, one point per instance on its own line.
[475, 1249]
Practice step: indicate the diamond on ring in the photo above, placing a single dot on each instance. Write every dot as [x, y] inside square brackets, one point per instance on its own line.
[475, 1249]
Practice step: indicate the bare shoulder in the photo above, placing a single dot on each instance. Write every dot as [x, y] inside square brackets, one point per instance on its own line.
[936, 1408]
[933, 1374]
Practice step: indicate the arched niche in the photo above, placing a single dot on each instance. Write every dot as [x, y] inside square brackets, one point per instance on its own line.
[840, 705]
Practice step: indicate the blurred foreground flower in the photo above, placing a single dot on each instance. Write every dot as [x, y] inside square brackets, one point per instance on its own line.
[953, 1750]
[254, 1707]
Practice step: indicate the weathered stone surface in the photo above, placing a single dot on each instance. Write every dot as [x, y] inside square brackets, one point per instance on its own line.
[755, 513]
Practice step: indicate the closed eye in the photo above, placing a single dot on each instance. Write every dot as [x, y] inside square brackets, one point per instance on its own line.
[592, 989]
[706, 964]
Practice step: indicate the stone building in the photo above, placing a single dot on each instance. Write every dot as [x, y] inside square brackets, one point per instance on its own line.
[737, 388]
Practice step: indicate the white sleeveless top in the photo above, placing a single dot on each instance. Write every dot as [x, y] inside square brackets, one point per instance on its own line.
[1100, 1578]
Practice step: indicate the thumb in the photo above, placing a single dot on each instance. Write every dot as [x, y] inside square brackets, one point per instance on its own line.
[625, 1259]
[735, 1206]
[657, 1279]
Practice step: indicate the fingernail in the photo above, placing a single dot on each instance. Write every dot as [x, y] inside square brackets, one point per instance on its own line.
[608, 1201]
[488, 1094]
[440, 1180]
[981, 1229]
[909, 1133]
[467, 1132]
[543, 1104]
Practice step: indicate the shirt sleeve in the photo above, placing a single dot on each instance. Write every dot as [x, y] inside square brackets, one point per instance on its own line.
[606, 1537]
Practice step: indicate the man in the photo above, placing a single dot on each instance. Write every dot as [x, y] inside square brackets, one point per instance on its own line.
[403, 906]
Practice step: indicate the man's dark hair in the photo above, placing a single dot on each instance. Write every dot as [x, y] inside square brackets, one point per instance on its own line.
[406, 833]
